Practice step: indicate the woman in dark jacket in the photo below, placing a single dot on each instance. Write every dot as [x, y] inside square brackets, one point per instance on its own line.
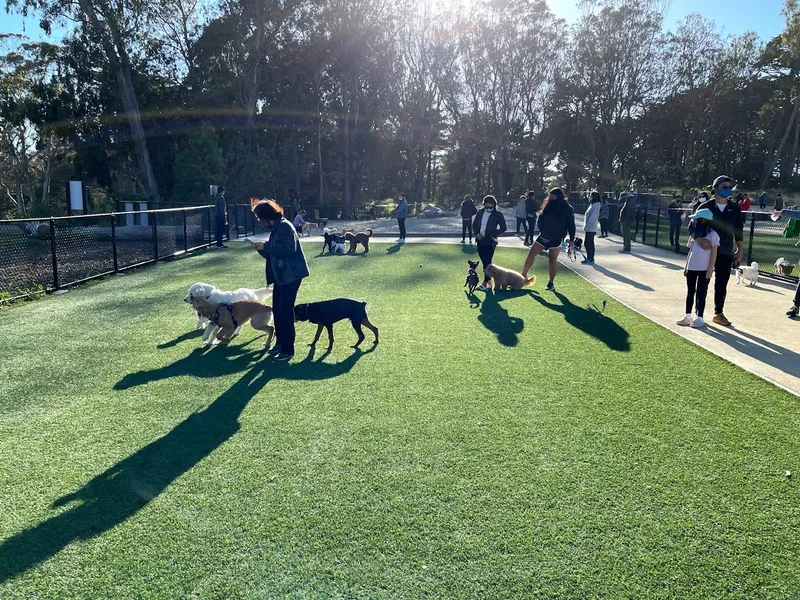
[286, 267]
[468, 211]
[555, 222]
[489, 223]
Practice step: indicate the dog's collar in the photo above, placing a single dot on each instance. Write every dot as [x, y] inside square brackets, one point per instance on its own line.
[229, 308]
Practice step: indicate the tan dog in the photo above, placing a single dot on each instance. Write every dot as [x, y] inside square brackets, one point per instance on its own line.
[359, 238]
[506, 279]
[228, 318]
[308, 227]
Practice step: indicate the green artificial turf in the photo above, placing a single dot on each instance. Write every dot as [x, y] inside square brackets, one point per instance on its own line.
[517, 446]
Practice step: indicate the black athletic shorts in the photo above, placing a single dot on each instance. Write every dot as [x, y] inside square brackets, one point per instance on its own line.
[548, 244]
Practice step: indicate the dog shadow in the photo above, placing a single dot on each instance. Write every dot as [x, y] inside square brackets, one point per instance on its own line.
[394, 248]
[590, 320]
[121, 491]
[474, 301]
[496, 318]
[189, 335]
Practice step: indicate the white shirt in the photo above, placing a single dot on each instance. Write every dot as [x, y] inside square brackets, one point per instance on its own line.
[591, 218]
[484, 222]
[722, 207]
[699, 259]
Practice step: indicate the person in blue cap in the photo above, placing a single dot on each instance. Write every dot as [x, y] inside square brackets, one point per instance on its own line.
[699, 268]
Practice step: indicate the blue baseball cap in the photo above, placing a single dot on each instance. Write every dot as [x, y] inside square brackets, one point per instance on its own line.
[703, 213]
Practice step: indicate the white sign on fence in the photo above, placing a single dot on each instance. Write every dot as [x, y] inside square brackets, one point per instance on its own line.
[76, 196]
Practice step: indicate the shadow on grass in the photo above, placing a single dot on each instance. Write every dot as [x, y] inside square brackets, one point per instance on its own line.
[189, 335]
[496, 318]
[394, 248]
[125, 488]
[591, 321]
[469, 249]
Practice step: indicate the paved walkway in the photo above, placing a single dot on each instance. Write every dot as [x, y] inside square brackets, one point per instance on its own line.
[650, 281]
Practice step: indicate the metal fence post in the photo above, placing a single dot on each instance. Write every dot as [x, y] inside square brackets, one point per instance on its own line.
[752, 233]
[114, 240]
[208, 216]
[155, 236]
[658, 223]
[53, 250]
[636, 228]
[185, 237]
[644, 225]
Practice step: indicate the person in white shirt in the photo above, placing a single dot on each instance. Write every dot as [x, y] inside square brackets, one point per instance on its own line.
[590, 221]
[699, 268]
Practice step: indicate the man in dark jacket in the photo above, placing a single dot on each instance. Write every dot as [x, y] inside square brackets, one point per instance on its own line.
[675, 223]
[627, 215]
[220, 216]
[728, 223]
[531, 208]
[489, 223]
[468, 211]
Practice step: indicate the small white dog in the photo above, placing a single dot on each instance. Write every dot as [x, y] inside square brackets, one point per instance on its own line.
[212, 294]
[749, 274]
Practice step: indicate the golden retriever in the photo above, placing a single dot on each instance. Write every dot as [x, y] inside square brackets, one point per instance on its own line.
[226, 319]
[506, 279]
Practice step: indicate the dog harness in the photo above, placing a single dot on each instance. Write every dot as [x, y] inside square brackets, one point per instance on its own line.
[229, 308]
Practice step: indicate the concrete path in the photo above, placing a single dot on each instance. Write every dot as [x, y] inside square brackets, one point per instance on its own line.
[650, 281]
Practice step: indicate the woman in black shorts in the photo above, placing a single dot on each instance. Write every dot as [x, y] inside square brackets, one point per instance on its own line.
[557, 219]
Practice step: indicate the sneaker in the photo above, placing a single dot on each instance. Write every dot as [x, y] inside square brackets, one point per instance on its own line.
[550, 287]
[482, 288]
[698, 323]
[792, 312]
[284, 357]
[721, 320]
[685, 321]
[276, 349]
[462, 241]
[527, 244]
[586, 261]
[625, 251]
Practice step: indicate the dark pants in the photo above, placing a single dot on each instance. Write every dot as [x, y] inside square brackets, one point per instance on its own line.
[401, 223]
[604, 227]
[283, 299]
[626, 235]
[524, 224]
[589, 241]
[529, 232]
[466, 229]
[722, 273]
[674, 236]
[797, 295]
[486, 253]
[696, 291]
[219, 229]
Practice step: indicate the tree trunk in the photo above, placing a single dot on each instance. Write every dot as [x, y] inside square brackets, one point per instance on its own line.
[319, 152]
[346, 200]
[788, 130]
[429, 181]
[47, 170]
[251, 87]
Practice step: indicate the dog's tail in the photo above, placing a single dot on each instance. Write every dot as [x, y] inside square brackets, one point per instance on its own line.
[349, 235]
[370, 232]
[530, 281]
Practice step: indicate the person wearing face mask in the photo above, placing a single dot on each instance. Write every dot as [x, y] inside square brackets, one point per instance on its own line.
[489, 223]
[728, 223]
[286, 268]
[556, 220]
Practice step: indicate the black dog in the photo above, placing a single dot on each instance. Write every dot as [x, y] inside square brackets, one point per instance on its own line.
[332, 239]
[472, 276]
[328, 312]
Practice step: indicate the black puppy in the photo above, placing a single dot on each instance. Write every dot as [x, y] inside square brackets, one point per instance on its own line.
[331, 240]
[472, 276]
[328, 312]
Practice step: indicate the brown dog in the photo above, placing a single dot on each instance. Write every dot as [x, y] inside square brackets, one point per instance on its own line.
[506, 279]
[227, 319]
[359, 238]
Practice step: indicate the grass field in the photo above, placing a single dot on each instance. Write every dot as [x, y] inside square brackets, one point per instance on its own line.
[521, 446]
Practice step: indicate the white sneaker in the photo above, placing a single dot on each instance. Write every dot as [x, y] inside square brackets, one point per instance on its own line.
[685, 321]
[698, 323]
[482, 288]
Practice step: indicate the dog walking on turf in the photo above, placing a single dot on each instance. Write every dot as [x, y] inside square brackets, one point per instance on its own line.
[326, 313]
[359, 238]
[472, 276]
[506, 279]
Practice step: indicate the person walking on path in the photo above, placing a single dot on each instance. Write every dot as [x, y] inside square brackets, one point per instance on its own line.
[590, 221]
[675, 223]
[778, 202]
[220, 216]
[286, 268]
[531, 208]
[402, 214]
[468, 211]
[521, 214]
[762, 200]
[489, 223]
[627, 215]
[699, 268]
[603, 216]
[556, 221]
[728, 223]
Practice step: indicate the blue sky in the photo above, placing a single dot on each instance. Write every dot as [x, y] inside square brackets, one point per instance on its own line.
[735, 16]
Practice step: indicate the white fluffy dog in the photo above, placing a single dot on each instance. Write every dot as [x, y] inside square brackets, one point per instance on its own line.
[212, 294]
[749, 274]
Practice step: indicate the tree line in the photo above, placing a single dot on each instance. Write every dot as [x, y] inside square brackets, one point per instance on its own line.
[347, 102]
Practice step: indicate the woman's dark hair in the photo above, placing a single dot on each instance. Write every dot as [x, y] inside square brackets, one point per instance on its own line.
[491, 199]
[558, 193]
[268, 210]
[220, 189]
[596, 197]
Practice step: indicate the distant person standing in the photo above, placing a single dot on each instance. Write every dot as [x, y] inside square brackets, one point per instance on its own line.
[531, 208]
[468, 211]
[778, 202]
[220, 216]
[762, 200]
[296, 205]
[521, 214]
[605, 213]
[627, 215]
[299, 221]
[590, 221]
[402, 214]
[675, 224]
[488, 225]
[699, 268]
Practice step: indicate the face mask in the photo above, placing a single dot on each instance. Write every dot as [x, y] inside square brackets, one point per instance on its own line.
[488, 208]
[724, 193]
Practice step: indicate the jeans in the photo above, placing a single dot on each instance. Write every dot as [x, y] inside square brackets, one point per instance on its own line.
[626, 235]
[283, 299]
[589, 241]
[722, 273]
[604, 227]
[696, 291]
[486, 253]
[219, 228]
[524, 224]
[797, 295]
[529, 231]
[674, 236]
[401, 223]
[466, 229]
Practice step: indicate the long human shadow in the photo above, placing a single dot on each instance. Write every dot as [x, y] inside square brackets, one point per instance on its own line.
[496, 318]
[194, 333]
[622, 278]
[659, 262]
[760, 349]
[591, 321]
[127, 487]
